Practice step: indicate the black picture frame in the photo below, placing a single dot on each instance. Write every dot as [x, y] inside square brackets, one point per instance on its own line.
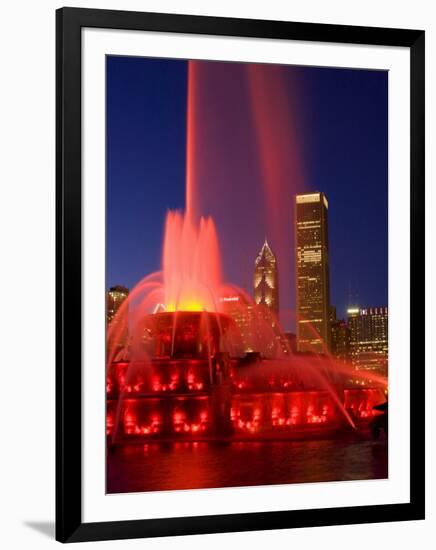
[69, 525]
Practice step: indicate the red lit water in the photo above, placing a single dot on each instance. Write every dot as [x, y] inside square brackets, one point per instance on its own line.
[185, 465]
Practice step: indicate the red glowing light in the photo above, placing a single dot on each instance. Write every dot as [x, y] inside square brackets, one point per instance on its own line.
[179, 417]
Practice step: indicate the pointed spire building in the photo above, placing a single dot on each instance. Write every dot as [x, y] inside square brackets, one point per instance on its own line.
[266, 279]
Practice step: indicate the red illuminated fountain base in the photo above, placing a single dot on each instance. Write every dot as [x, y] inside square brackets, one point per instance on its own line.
[187, 334]
[192, 388]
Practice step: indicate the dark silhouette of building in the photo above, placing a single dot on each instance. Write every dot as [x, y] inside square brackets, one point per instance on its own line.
[340, 340]
[291, 339]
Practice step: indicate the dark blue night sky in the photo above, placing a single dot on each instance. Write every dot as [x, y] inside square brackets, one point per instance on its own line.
[342, 132]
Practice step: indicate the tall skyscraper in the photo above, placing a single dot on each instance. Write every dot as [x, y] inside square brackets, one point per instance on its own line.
[115, 297]
[266, 279]
[312, 273]
[266, 296]
[369, 338]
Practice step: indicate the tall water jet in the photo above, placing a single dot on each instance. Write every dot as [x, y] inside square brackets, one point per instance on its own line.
[191, 264]
[243, 156]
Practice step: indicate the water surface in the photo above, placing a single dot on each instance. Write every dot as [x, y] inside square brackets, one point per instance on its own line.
[156, 467]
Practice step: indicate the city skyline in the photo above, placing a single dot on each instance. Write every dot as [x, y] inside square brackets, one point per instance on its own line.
[348, 164]
[361, 337]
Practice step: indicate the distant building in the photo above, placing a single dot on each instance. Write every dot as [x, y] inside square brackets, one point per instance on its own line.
[333, 316]
[369, 338]
[339, 337]
[266, 297]
[312, 273]
[242, 314]
[114, 298]
[340, 340]
[266, 279]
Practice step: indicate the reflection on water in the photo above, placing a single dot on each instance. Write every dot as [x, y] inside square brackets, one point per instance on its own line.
[182, 465]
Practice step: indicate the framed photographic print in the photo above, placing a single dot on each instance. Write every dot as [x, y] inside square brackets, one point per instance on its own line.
[240, 274]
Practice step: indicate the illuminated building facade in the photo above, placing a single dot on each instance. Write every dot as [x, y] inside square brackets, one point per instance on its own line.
[312, 273]
[115, 297]
[242, 314]
[369, 338]
[266, 296]
[266, 279]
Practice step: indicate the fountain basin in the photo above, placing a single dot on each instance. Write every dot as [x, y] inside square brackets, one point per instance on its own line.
[187, 334]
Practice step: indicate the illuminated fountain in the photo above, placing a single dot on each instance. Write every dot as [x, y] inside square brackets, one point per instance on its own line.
[189, 356]
[177, 363]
